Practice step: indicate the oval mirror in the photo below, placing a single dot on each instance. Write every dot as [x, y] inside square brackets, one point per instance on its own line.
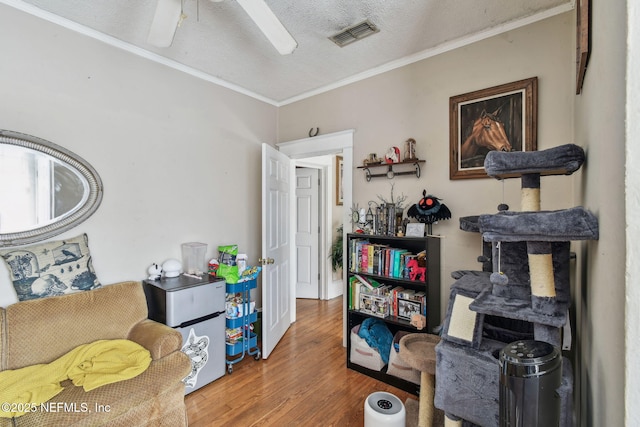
[44, 189]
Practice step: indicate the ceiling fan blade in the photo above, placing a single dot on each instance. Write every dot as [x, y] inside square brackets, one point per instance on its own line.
[270, 25]
[165, 21]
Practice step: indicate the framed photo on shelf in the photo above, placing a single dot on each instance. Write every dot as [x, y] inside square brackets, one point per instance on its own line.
[501, 118]
[339, 174]
[415, 229]
[407, 308]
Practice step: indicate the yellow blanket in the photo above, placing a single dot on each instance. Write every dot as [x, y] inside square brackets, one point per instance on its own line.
[89, 365]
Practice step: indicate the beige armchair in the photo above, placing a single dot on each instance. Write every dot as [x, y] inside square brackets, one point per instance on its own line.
[39, 331]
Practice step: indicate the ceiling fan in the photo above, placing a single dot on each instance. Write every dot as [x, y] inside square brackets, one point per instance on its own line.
[169, 15]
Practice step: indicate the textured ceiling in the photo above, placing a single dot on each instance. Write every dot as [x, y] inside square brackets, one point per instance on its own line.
[219, 41]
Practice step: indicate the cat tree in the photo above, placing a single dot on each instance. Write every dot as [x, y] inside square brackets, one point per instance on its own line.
[522, 293]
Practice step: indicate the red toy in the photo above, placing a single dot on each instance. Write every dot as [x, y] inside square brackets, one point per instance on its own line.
[415, 271]
[393, 155]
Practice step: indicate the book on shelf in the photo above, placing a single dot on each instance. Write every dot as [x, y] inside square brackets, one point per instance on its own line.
[378, 262]
[422, 298]
[354, 293]
[394, 299]
[364, 257]
[369, 284]
[359, 284]
[398, 263]
[379, 259]
[407, 293]
[356, 254]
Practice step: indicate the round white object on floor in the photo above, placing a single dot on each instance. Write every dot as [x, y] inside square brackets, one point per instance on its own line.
[382, 409]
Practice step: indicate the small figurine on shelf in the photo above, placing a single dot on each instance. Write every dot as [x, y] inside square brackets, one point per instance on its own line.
[416, 271]
[155, 272]
[429, 210]
[393, 155]
[372, 160]
[419, 321]
[410, 150]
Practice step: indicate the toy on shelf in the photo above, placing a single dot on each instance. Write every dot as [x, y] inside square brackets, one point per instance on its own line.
[155, 272]
[429, 210]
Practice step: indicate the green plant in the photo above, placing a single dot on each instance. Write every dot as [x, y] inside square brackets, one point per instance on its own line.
[336, 251]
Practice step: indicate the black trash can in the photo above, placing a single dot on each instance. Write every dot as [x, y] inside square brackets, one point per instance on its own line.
[530, 375]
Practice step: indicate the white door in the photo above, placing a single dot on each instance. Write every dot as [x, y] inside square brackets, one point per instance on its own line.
[307, 233]
[276, 280]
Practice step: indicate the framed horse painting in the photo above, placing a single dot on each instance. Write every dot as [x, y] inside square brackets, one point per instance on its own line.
[500, 118]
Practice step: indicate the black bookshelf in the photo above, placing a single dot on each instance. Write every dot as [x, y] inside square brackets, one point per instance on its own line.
[430, 286]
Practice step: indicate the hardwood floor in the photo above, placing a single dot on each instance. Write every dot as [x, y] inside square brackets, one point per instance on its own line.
[304, 382]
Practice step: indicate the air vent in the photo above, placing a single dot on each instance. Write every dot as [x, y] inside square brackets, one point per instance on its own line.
[354, 33]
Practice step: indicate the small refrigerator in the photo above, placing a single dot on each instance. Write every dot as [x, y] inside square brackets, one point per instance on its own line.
[196, 308]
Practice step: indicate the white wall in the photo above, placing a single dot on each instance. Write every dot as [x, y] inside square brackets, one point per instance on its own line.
[600, 128]
[413, 101]
[179, 157]
[632, 311]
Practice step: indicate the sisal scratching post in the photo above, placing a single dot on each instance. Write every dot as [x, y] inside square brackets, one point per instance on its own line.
[448, 422]
[530, 192]
[541, 269]
[419, 352]
[427, 389]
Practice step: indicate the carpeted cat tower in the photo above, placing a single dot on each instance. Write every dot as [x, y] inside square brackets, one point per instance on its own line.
[523, 292]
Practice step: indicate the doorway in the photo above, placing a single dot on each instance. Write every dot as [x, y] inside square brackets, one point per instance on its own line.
[329, 144]
[308, 222]
[328, 218]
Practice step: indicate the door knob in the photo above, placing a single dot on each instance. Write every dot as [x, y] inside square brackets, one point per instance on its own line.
[264, 261]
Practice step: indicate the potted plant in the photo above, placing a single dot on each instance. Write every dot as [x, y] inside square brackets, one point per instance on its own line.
[336, 251]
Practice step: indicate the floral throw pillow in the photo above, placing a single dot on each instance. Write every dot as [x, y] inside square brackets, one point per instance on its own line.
[51, 268]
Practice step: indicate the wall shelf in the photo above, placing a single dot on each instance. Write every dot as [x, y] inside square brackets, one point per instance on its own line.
[392, 169]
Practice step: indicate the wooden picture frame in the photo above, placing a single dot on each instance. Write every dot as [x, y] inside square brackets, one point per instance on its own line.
[339, 175]
[583, 40]
[498, 118]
